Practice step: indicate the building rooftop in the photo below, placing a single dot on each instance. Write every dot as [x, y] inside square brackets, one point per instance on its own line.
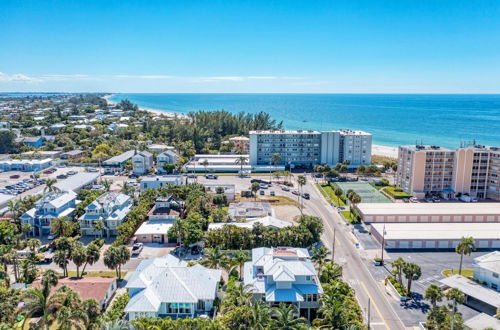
[278, 132]
[120, 158]
[429, 208]
[154, 227]
[483, 321]
[432, 231]
[490, 261]
[473, 289]
[418, 147]
[249, 209]
[267, 221]
[77, 181]
[87, 287]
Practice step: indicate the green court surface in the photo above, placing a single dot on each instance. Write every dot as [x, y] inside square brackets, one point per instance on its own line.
[367, 193]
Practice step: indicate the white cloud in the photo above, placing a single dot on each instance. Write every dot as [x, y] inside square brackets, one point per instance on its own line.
[18, 77]
[262, 77]
[142, 76]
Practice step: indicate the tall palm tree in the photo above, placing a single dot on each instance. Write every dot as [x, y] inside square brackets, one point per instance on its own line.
[457, 297]
[62, 226]
[301, 181]
[261, 315]
[412, 273]
[275, 159]
[284, 318]
[319, 256]
[107, 184]
[49, 185]
[330, 271]
[92, 255]
[254, 188]
[78, 256]
[240, 257]
[434, 294]
[37, 300]
[466, 246]
[205, 165]
[213, 258]
[398, 266]
[99, 227]
[33, 243]
[242, 161]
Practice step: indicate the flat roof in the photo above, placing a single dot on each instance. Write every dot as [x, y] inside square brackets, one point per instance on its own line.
[483, 321]
[429, 208]
[490, 261]
[473, 289]
[154, 227]
[77, 181]
[120, 158]
[432, 231]
[278, 132]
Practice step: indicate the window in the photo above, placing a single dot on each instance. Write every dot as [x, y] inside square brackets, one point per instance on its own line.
[495, 275]
[308, 278]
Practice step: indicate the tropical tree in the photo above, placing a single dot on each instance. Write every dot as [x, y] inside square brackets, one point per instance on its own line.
[466, 246]
[330, 271]
[115, 257]
[205, 165]
[93, 252]
[456, 297]
[33, 244]
[242, 161]
[62, 226]
[301, 181]
[319, 256]
[78, 256]
[240, 257]
[37, 300]
[412, 273]
[28, 270]
[261, 316]
[434, 294]
[61, 258]
[49, 185]
[26, 228]
[213, 258]
[284, 318]
[398, 266]
[107, 184]
[275, 159]
[254, 188]
[116, 325]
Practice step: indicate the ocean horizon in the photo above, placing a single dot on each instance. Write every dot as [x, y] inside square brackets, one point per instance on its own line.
[447, 120]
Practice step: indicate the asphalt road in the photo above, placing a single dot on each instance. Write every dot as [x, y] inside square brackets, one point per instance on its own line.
[355, 271]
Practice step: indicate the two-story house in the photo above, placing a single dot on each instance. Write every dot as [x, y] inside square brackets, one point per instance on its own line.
[487, 269]
[142, 162]
[166, 157]
[284, 275]
[52, 205]
[168, 287]
[160, 219]
[111, 208]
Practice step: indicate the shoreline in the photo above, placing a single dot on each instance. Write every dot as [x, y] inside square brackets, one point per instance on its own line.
[377, 149]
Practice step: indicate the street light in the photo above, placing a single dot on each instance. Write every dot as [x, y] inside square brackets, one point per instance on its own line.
[383, 244]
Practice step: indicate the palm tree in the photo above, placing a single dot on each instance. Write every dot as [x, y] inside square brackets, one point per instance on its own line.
[99, 227]
[92, 255]
[319, 256]
[457, 297]
[254, 188]
[242, 161]
[398, 266]
[62, 226]
[78, 256]
[61, 258]
[240, 257]
[466, 246]
[434, 294]
[26, 228]
[116, 325]
[284, 318]
[213, 258]
[205, 165]
[330, 271]
[69, 319]
[33, 243]
[107, 184]
[275, 159]
[37, 300]
[261, 316]
[49, 185]
[412, 273]
[301, 181]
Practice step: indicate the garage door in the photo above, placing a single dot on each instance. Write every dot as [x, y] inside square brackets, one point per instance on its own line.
[495, 244]
[483, 244]
[416, 244]
[403, 244]
[157, 238]
[443, 244]
[430, 244]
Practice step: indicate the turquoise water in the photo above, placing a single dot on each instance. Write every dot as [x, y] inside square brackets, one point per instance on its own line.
[393, 120]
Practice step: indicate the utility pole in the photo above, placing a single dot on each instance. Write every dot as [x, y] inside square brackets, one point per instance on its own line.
[333, 246]
[383, 245]
[368, 320]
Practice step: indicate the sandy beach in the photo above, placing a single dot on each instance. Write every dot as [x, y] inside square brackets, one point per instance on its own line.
[384, 151]
[153, 111]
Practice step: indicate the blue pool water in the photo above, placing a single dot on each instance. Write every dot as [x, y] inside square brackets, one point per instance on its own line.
[393, 119]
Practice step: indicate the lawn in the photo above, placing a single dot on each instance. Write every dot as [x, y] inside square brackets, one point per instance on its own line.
[466, 272]
[99, 273]
[365, 190]
[348, 216]
[396, 194]
[327, 192]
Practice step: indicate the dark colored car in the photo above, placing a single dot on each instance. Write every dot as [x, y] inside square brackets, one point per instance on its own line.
[306, 196]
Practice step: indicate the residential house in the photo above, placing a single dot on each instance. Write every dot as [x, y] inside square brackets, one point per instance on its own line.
[142, 162]
[73, 154]
[156, 182]
[159, 148]
[487, 269]
[168, 287]
[111, 208]
[120, 160]
[160, 219]
[284, 275]
[52, 205]
[31, 141]
[166, 157]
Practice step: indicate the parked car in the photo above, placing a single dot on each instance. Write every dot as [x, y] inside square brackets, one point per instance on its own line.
[15, 176]
[192, 176]
[272, 193]
[262, 192]
[285, 188]
[296, 192]
[211, 176]
[92, 170]
[62, 176]
[137, 248]
[263, 186]
[71, 172]
[306, 196]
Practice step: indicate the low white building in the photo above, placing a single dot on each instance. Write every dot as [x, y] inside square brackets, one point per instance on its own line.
[166, 157]
[249, 210]
[229, 189]
[168, 287]
[157, 181]
[228, 164]
[268, 221]
[487, 269]
[142, 162]
[160, 219]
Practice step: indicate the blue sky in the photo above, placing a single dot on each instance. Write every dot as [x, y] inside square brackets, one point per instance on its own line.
[251, 46]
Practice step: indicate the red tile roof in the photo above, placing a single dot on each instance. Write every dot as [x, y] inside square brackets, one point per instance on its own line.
[87, 287]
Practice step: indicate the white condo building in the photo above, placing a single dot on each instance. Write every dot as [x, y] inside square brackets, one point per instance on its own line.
[308, 148]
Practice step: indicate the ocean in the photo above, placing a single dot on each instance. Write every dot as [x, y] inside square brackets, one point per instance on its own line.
[393, 119]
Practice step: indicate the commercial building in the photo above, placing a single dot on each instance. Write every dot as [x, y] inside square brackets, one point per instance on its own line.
[111, 208]
[25, 165]
[227, 163]
[487, 269]
[78, 181]
[52, 205]
[169, 287]
[445, 236]
[142, 162]
[308, 148]
[433, 170]
[284, 275]
[156, 181]
[429, 212]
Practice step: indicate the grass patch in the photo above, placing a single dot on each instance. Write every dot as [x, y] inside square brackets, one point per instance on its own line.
[466, 272]
[99, 273]
[395, 193]
[382, 159]
[348, 216]
[274, 200]
[327, 192]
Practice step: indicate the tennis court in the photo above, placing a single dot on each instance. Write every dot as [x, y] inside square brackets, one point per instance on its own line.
[367, 193]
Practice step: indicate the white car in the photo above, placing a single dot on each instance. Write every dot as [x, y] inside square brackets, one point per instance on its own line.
[137, 248]
[285, 188]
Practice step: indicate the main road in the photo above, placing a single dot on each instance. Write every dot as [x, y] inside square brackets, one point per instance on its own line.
[355, 270]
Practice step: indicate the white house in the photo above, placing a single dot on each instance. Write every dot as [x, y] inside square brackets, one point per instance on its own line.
[167, 287]
[156, 181]
[160, 219]
[142, 162]
[487, 269]
[267, 221]
[111, 208]
[52, 205]
[166, 157]
[284, 275]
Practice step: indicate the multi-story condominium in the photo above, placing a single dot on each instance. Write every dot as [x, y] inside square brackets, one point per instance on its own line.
[284, 274]
[309, 148]
[142, 162]
[169, 287]
[52, 205]
[111, 208]
[432, 170]
[487, 269]
[166, 157]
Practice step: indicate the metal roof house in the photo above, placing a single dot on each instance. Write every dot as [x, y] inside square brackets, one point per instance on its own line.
[284, 274]
[120, 160]
[142, 162]
[52, 205]
[167, 287]
[111, 208]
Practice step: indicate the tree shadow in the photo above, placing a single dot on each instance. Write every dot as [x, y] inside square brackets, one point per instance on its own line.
[416, 302]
